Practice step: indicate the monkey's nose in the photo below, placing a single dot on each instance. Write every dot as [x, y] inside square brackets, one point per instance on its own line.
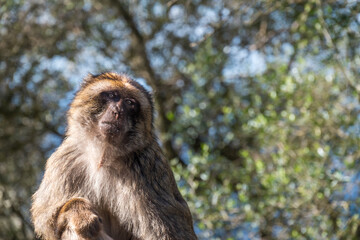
[117, 114]
[118, 109]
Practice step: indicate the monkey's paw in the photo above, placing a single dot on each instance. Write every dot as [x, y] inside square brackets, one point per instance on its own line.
[79, 217]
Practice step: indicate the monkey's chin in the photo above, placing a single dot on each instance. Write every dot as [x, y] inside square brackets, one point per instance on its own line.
[112, 131]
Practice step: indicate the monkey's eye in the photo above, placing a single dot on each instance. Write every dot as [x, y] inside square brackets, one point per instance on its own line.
[114, 96]
[130, 102]
[132, 105]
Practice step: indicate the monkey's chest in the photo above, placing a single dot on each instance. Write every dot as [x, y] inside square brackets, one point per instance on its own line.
[114, 228]
[116, 203]
[125, 204]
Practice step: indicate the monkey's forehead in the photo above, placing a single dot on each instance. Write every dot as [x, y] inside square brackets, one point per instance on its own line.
[103, 85]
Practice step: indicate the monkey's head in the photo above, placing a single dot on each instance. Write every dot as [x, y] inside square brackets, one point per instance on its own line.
[113, 109]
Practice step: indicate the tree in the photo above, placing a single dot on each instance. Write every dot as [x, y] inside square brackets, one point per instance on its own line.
[257, 104]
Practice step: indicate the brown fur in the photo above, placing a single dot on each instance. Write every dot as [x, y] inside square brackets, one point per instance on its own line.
[110, 181]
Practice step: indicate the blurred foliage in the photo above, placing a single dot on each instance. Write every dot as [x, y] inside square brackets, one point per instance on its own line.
[257, 104]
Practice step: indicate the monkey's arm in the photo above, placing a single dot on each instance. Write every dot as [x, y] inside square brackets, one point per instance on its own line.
[48, 199]
[71, 234]
[77, 219]
[56, 211]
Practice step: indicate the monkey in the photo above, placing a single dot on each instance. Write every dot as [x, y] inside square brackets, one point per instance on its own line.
[109, 178]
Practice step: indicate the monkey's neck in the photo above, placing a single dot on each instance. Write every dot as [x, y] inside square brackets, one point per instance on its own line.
[141, 164]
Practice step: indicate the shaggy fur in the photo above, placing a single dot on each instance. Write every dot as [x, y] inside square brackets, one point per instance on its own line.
[118, 185]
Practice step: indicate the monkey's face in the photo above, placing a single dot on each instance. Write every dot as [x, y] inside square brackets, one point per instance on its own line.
[120, 115]
[114, 109]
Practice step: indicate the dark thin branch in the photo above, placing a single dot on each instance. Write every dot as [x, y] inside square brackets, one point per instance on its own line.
[291, 60]
[155, 80]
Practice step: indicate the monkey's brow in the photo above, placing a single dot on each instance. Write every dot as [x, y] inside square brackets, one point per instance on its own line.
[114, 91]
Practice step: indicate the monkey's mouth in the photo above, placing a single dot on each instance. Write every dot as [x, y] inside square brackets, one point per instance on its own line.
[108, 123]
[110, 127]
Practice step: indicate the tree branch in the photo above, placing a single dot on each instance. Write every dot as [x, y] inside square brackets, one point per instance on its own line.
[154, 80]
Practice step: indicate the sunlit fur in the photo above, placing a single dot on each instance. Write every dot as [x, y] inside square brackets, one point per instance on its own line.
[133, 190]
[86, 108]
